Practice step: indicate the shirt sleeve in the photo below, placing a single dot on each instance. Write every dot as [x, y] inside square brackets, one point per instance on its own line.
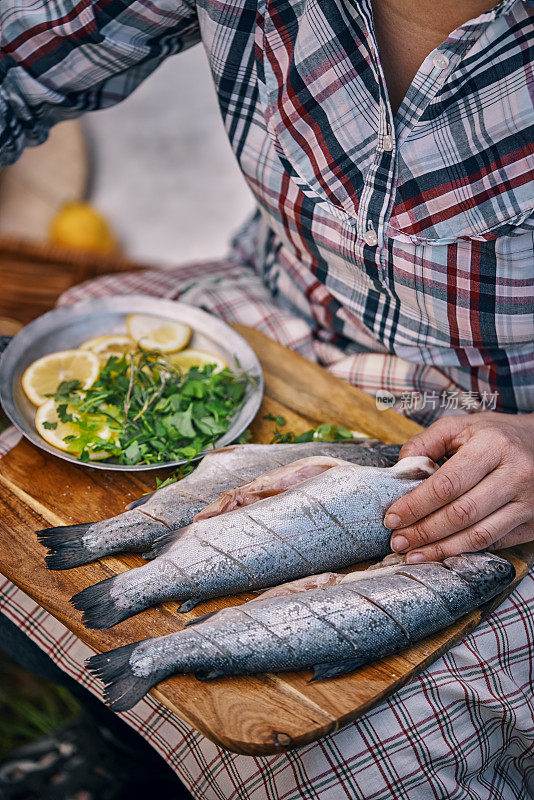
[60, 58]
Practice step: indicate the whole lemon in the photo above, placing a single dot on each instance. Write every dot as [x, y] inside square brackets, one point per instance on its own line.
[79, 226]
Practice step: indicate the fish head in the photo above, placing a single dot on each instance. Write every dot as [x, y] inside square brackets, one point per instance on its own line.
[486, 573]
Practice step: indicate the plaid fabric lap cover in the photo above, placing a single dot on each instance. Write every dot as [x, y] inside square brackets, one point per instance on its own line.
[464, 729]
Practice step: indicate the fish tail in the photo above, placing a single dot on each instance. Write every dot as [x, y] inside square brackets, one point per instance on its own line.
[99, 608]
[123, 689]
[66, 547]
[117, 598]
[73, 545]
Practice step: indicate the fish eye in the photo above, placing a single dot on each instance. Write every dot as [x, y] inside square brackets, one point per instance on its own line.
[501, 567]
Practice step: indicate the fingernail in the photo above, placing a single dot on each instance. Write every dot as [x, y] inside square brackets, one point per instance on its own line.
[399, 543]
[392, 521]
[415, 558]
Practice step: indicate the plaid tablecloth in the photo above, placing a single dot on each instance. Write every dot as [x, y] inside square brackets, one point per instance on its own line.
[462, 730]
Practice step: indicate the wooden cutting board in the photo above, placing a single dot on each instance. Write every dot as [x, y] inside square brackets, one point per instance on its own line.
[250, 715]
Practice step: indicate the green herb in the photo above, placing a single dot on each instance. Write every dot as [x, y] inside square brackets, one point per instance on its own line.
[29, 707]
[143, 410]
[62, 413]
[50, 426]
[182, 472]
[64, 390]
[245, 437]
[186, 469]
[322, 433]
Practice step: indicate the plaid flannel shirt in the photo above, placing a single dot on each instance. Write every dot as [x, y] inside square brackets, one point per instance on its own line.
[408, 234]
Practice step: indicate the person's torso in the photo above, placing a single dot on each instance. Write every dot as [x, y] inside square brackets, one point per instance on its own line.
[418, 225]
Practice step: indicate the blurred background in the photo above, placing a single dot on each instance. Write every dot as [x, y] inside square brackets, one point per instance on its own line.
[157, 167]
[152, 180]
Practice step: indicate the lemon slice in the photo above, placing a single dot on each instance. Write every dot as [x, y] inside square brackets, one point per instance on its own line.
[186, 359]
[47, 413]
[117, 344]
[44, 375]
[153, 333]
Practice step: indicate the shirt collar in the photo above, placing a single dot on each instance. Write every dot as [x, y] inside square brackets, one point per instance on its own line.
[500, 10]
[464, 35]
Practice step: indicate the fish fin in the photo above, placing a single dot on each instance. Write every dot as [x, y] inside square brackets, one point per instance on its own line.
[208, 675]
[202, 618]
[164, 542]
[123, 689]
[99, 609]
[189, 605]
[414, 468]
[333, 668]
[140, 501]
[65, 546]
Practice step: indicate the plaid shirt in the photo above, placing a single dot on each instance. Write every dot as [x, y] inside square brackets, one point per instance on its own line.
[407, 234]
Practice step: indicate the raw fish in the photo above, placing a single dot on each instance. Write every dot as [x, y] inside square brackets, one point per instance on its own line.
[325, 522]
[362, 617]
[175, 506]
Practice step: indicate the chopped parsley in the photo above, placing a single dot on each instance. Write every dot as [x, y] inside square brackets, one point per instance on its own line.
[322, 433]
[143, 410]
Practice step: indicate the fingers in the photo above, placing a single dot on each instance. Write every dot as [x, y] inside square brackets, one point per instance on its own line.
[459, 474]
[469, 508]
[520, 535]
[438, 440]
[480, 497]
[494, 528]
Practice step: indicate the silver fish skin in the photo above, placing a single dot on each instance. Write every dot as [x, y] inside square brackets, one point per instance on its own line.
[326, 522]
[333, 630]
[175, 506]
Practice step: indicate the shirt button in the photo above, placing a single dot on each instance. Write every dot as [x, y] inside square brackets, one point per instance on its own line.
[440, 61]
[370, 237]
[387, 143]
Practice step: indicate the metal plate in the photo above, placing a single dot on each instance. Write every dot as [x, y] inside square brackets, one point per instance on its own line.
[66, 328]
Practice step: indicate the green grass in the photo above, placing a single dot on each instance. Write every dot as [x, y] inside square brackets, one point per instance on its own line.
[29, 707]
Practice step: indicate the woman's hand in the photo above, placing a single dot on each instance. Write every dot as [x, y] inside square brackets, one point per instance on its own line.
[483, 496]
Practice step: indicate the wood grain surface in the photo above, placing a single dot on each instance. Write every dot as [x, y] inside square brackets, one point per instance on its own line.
[251, 715]
[32, 276]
